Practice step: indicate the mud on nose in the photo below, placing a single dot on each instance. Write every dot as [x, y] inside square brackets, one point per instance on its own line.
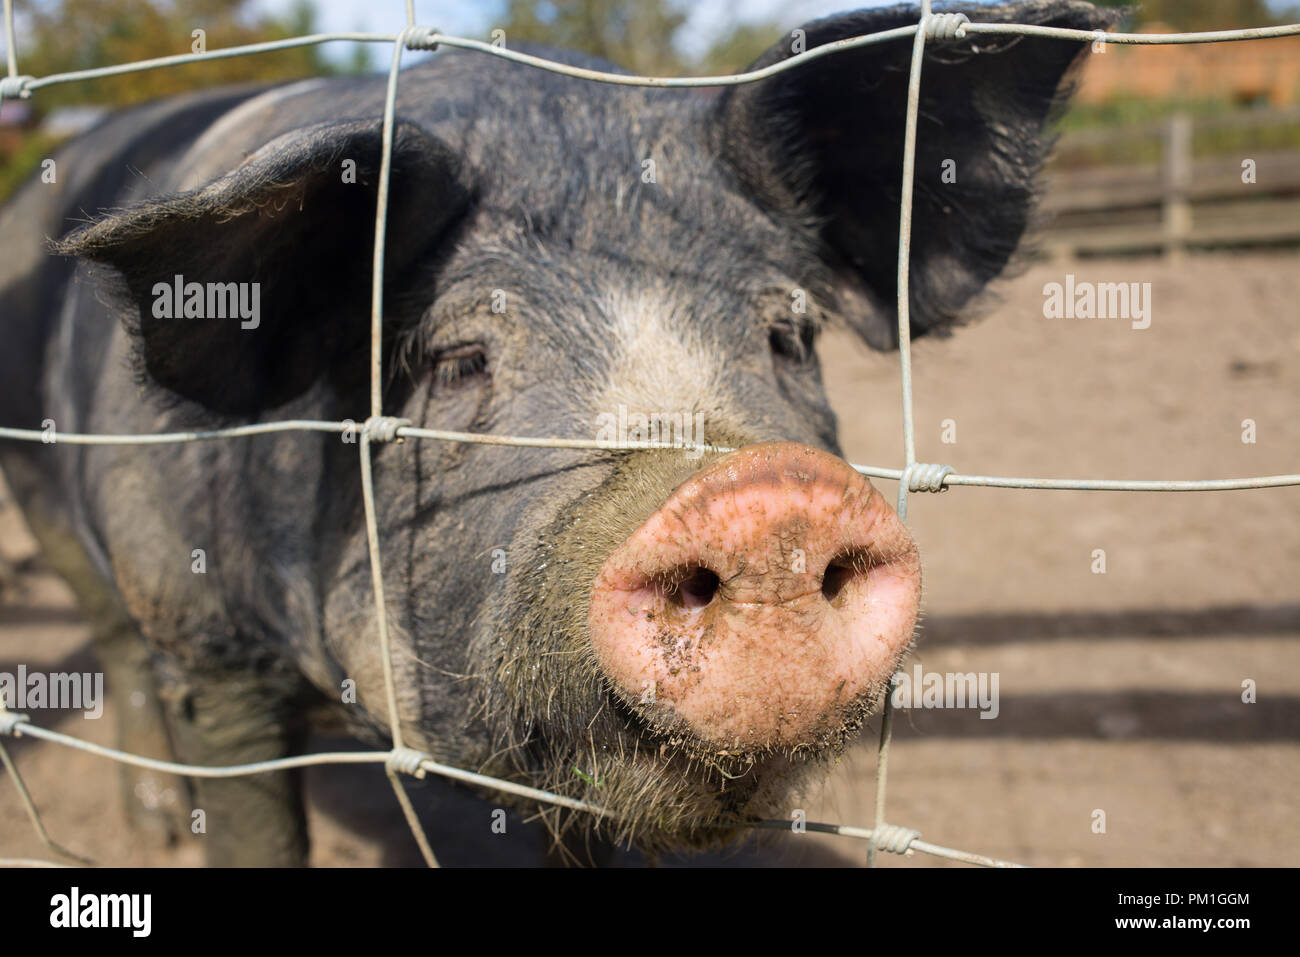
[762, 604]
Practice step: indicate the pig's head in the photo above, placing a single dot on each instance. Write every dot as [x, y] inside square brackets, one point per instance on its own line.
[676, 638]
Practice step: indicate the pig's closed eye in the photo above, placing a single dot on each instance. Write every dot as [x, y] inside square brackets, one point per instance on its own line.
[792, 339]
[458, 364]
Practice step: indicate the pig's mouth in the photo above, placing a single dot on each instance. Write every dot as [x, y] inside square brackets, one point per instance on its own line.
[671, 791]
[693, 674]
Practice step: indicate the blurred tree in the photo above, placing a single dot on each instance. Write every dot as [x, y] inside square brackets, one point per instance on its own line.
[66, 35]
[358, 60]
[740, 47]
[1198, 15]
[635, 34]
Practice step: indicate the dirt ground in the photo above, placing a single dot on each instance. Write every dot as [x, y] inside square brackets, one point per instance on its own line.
[1119, 692]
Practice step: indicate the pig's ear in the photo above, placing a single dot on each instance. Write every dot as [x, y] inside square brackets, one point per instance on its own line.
[823, 143]
[296, 219]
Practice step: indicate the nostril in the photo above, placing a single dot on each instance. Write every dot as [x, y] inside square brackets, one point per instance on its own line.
[842, 570]
[696, 589]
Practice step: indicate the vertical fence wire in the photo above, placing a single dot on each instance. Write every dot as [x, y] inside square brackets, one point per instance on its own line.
[33, 814]
[905, 379]
[11, 49]
[376, 426]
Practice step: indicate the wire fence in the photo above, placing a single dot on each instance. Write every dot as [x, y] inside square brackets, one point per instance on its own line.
[914, 476]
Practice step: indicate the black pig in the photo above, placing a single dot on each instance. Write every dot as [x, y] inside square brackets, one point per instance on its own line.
[678, 639]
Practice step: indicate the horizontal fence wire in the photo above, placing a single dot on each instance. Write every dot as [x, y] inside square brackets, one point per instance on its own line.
[533, 442]
[428, 38]
[913, 477]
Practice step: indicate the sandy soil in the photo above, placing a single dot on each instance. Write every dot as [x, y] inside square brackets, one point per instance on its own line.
[1119, 692]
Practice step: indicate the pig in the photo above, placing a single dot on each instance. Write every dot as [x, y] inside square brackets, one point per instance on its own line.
[684, 640]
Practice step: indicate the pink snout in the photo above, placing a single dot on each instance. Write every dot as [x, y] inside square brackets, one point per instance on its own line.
[768, 597]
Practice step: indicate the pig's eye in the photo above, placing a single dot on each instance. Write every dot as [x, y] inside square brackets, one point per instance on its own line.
[459, 363]
[792, 339]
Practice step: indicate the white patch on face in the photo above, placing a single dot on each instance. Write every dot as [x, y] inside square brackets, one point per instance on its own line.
[660, 363]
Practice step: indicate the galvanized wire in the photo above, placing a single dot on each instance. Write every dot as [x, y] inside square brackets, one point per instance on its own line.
[904, 310]
[11, 51]
[913, 476]
[536, 442]
[428, 38]
[33, 814]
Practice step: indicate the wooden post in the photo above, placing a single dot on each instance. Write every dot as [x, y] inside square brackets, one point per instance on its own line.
[1177, 214]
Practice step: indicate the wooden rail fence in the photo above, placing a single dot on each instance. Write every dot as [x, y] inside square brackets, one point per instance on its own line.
[1244, 198]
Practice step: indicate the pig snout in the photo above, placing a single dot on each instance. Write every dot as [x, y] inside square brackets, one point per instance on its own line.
[764, 605]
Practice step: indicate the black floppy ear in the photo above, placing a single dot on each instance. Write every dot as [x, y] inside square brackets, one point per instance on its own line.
[824, 142]
[293, 230]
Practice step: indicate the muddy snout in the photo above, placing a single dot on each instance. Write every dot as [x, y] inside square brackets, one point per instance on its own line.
[762, 605]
